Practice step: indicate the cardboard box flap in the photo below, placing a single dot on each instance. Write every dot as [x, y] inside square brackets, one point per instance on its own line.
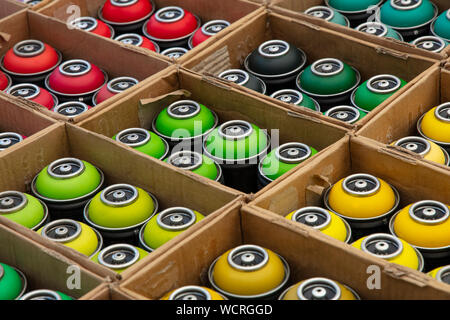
[44, 267]
[147, 104]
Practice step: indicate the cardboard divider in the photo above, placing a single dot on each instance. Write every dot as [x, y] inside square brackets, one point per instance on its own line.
[414, 179]
[44, 267]
[400, 118]
[233, 11]
[10, 7]
[309, 254]
[22, 120]
[41, 5]
[76, 44]
[106, 292]
[296, 9]
[171, 188]
[226, 101]
[317, 42]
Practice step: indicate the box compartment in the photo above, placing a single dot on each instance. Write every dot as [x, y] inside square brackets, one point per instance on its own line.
[22, 120]
[296, 9]
[44, 267]
[400, 118]
[234, 11]
[226, 101]
[308, 254]
[171, 188]
[75, 44]
[370, 59]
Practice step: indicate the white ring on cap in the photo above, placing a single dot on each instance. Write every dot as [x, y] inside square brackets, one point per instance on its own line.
[318, 281]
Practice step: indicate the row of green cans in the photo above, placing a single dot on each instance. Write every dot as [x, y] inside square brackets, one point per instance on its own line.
[215, 151]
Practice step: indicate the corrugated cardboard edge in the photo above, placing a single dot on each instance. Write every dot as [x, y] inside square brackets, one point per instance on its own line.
[123, 95]
[110, 291]
[404, 155]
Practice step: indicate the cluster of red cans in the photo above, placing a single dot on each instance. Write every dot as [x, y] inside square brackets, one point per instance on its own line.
[171, 30]
[35, 71]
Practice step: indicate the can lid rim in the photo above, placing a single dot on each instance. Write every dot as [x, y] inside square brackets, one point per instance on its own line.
[212, 23]
[387, 238]
[313, 210]
[179, 210]
[187, 289]
[318, 280]
[76, 22]
[103, 252]
[31, 54]
[311, 11]
[55, 223]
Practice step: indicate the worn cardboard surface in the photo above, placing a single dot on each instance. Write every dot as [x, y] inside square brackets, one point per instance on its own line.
[75, 44]
[400, 118]
[296, 8]
[171, 188]
[108, 291]
[308, 254]
[23, 120]
[232, 11]
[10, 7]
[369, 59]
[226, 101]
[44, 267]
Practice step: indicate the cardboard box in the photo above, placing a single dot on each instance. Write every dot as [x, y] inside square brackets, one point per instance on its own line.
[308, 253]
[233, 11]
[415, 180]
[226, 101]
[10, 7]
[400, 118]
[22, 120]
[170, 187]
[107, 291]
[115, 60]
[44, 267]
[296, 9]
[370, 59]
